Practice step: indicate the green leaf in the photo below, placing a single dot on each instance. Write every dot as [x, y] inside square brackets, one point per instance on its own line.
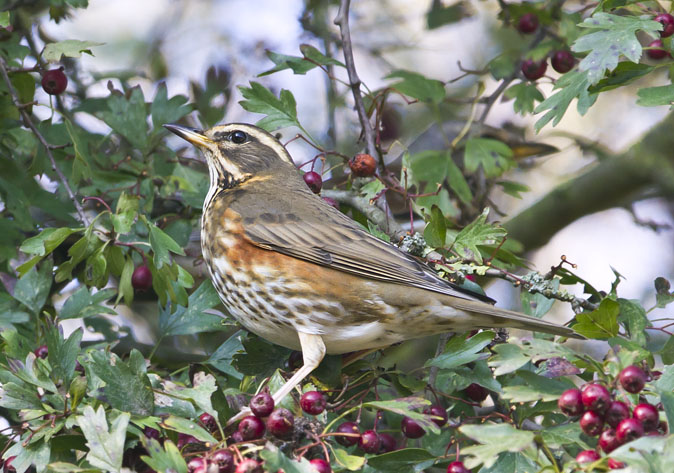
[163, 459]
[300, 65]
[14, 396]
[275, 460]
[512, 462]
[106, 444]
[633, 316]
[165, 110]
[478, 232]
[186, 426]
[461, 350]
[127, 116]
[400, 460]
[600, 324]
[47, 241]
[68, 48]
[526, 94]
[281, 112]
[617, 36]
[571, 85]
[193, 319]
[161, 245]
[36, 454]
[436, 228]
[494, 156]
[221, 358]
[81, 166]
[405, 406]
[417, 86]
[564, 434]
[85, 303]
[260, 358]
[200, 394]
[503, 66]
[63, 353]
[517, 353]
[33, 288]
[127, 387]
[4, 19]
[513, 189]
[350, 462]
[656, 96]
[495, 439]
[667, 352]
[428, 166]
[624, 74]
[441, 14]
[662, 295]
[535, 388]
[457, 182]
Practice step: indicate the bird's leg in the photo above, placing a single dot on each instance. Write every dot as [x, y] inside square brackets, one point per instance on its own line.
[313, 351]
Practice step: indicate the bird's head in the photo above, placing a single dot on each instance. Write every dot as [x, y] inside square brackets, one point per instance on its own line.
[235, 151]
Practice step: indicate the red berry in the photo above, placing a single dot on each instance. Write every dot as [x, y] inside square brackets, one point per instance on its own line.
[151, 433]
[562, 61]
[437, 411]
[281, 422]
[363, 165]
[411, 428]
[251, 428]
[141, 279]
[658, 52]
[667, 21]
[474, 391]
[596, 397]
[457, 467]
[248, 465]
[224, 460]
[608, 440]
[387, 443]
[54, 82]
[314, 181]
[262, 404]
[648, 415]
[628, 430]
[208, 421]
[615, 464]
[197, 464]
[587, 456]
[534, 70]
[320, 465]
[313, 402]
[185, 439]
[616, 412]
[571, 402]
[236, 437]
[331, 202]
[528, 23]
[348, 428]
[632, 379]
[369, 442]
[41, 351]
[591, 423]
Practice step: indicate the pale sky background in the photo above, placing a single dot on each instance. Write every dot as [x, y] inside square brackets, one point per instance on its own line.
[235, 33]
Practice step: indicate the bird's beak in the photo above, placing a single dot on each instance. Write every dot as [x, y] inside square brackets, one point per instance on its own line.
[194, 136]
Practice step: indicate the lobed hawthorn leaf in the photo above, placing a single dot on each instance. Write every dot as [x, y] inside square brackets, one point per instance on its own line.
[260, 357]
[494, 439]
[535, 388]
[186, 426]
[457, 182]
[478, 232]
[162, 244]
[405, 406]
[81, 167]
[311, 59]
[461, 377]
[560, 435]
[221, 358]
[62, 354]
[32, 289]
[625, 73]
[127, 387]
[281, 112]
[600, 324]
[417, 86]
[348, 461]
[164, 110]
[571, 85]
[526, 94]
[462, 349]
[46, 241]
[509, 357]
[36, 454]
[128, 117]
[617, 37]
[436, 228]
[633, 317]
[511, 462]
[193, 318]
[106, 443]
[68, 48]
[85, 302]
[494, 156]
[163, 458]
[403, 460]
[275, 460]
[667, 352]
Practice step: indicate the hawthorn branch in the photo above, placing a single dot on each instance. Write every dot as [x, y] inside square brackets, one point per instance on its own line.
[342, 20]
[48, 147]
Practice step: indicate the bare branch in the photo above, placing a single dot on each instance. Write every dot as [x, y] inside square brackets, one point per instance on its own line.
[48, 148]
[342, 20]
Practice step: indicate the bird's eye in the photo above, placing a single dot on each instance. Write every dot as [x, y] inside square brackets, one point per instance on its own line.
[238, 137]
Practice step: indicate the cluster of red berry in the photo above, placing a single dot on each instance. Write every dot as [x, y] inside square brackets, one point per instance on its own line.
[600, 414]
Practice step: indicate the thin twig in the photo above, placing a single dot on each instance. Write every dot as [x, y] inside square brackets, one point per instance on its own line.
[27, 121]
[342, 20]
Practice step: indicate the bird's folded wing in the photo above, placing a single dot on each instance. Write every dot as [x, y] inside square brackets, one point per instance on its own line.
[338, 242]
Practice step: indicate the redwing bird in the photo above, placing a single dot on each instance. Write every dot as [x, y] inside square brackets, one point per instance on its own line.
[299, 273]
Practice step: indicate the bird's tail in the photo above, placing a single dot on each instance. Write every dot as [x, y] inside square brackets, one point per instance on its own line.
[496, 317]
